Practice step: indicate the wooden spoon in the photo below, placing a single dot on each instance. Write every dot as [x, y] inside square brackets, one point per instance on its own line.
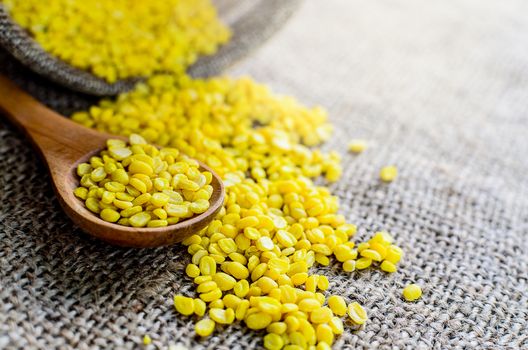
[64, 144]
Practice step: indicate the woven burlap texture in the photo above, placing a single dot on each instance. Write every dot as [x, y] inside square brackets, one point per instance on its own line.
[251, 22]
[437, 88]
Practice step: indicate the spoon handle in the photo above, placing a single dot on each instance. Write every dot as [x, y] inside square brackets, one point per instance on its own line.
[54, 135]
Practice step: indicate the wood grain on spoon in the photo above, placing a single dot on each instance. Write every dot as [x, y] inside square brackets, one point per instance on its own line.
[64, 144]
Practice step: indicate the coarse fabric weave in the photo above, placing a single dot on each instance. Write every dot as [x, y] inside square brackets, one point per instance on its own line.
[437, 88]
[251, 22]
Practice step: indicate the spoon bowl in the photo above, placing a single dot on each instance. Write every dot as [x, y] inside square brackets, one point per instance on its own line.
[131, 236]
[63, 145]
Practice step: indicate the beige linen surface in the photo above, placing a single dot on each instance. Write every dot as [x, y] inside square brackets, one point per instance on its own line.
[439, 88]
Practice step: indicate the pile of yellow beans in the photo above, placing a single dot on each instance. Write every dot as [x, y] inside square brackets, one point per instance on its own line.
[118, 39]
[138, 185]
[253, 262]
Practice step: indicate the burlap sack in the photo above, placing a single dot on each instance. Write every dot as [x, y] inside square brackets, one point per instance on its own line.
[251, 22]
[437, 88]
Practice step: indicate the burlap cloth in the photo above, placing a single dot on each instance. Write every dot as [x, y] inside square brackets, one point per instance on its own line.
[437, 88]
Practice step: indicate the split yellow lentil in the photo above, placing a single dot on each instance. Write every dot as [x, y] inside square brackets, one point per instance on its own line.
[338, 305]
[357, 146]
[147, 340]
[138, 185]
[253, 263]
[204, 327]
[388, 173]
[357, 313]
[119, 39]
[412, 292]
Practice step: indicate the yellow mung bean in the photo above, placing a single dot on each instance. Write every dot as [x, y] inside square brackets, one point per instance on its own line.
[213, 295]
[325, 333]
[394, 254]
[388, 173]
[338, 305]
[363, 263]
[371, 254]
[349, 265]
[273, 341]
[147, 340]
[184, 305]
[231, 301]
[357, 146]
[322, 315]
[357, 313]
[199, 307]
[205, 327]
[337, 325]
[216, 304]
[412, 292]
[109, 215]
[323, 346]
[387, 266]
[258, 320]
[221, 316]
